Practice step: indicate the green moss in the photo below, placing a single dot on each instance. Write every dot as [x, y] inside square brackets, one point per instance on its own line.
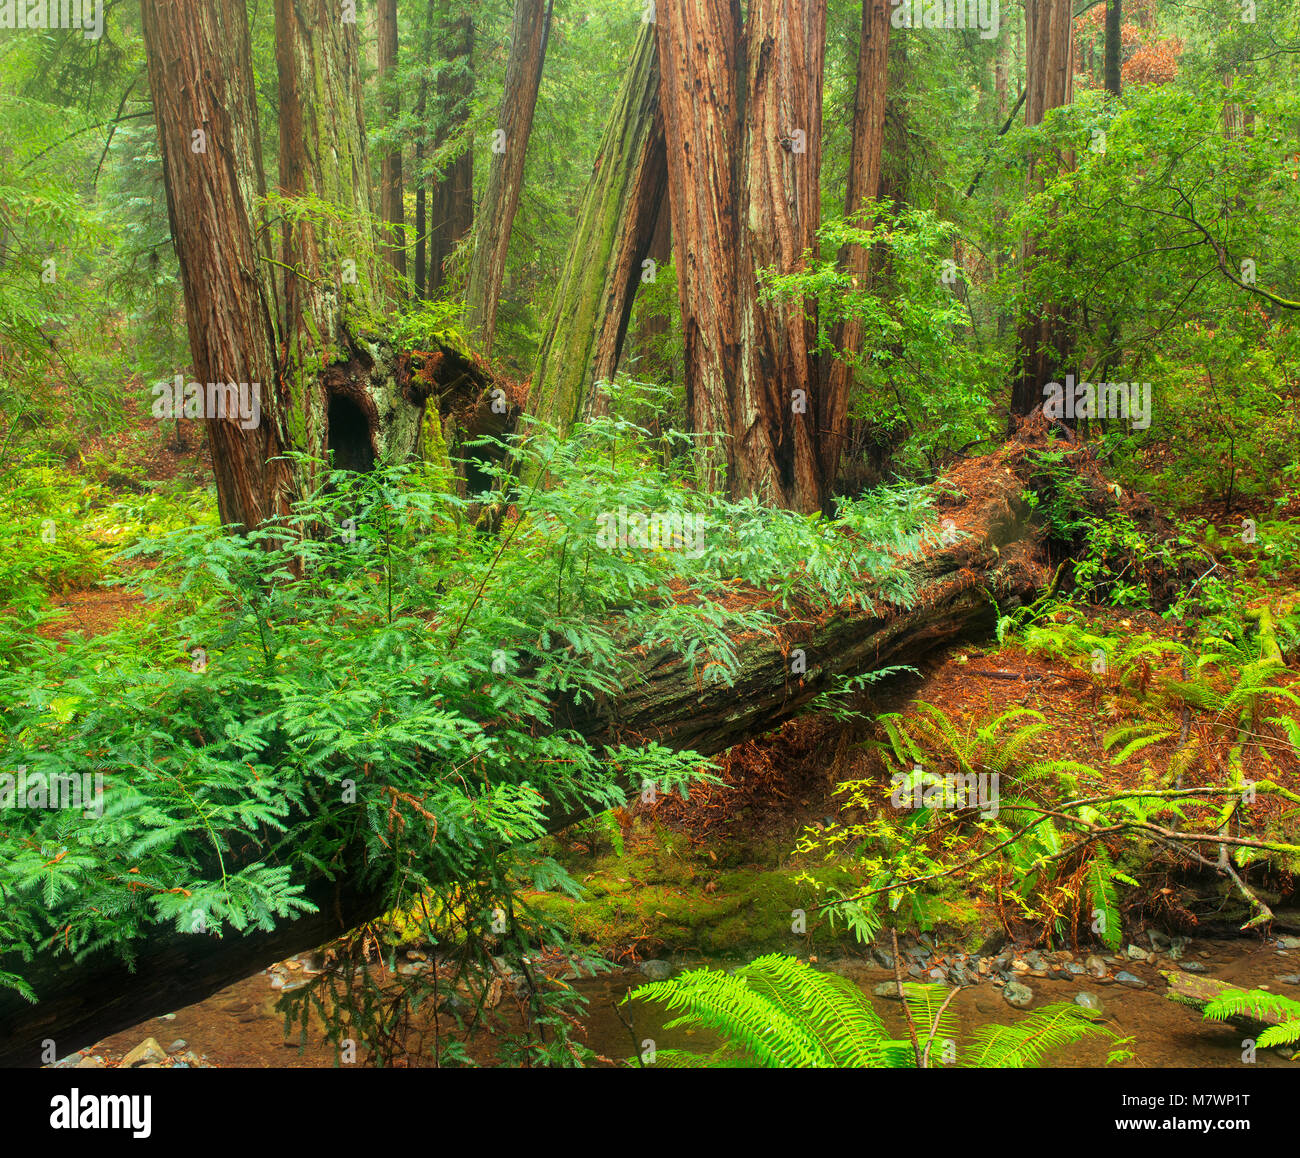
[665, 896]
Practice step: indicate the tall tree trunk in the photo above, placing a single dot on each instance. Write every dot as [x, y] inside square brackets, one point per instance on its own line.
[530, 31]
[775, 432]
[205, 106]
[451, 210]
[745, 196]
[391, 207]
[1049, 84]
[1114, 45]
[864, 185]
[698, 52]
[421, 283]
[604, 266]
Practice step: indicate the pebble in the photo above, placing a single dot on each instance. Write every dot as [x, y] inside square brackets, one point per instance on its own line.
[179, 1044]
[1193, 967]
[147, 1053]
[1124, 977]
[1289, 978]
[1018, 995]
[168, 1017]
[1074, 968]
[886, 989]
[1089, 1001]
[1135, 954]
[1289, 942]
[1095, 965]
[656, 970]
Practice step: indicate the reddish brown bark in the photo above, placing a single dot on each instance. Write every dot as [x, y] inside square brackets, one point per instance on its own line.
[745, 197]
[496, 217]
[200, 71]
[864, 185]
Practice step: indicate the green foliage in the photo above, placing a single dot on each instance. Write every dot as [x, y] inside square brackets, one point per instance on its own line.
[918, 379]
[371, 675]
[778, 1012]
[1257, 1004]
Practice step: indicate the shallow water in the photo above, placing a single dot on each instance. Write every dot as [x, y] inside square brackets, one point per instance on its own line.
[239, 1027]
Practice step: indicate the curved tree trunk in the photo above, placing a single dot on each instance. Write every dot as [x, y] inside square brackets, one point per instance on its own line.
[616, 224]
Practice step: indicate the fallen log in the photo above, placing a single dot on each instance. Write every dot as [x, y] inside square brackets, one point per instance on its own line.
[1198, 992]
[995, 556]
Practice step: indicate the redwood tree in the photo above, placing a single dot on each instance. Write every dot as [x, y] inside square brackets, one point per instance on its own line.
[300, 319]
[1049, 84]
[392, 209]
[742, 123]
[451, 201]
[530, 30]
[863, 185]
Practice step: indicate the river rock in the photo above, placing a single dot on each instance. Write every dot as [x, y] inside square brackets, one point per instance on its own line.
[1095, 966]
[1288, 942]
[179, 1044]
[656, 970]
[1089, 1001]
[90, 1062]
[883, 957]
[1018, 995]
[1289, 978]
[147, 1051]
[1159, 942]
[1074, 968]
[1193, 967]
[887, 989]
[1124, 977]
[1134, 953]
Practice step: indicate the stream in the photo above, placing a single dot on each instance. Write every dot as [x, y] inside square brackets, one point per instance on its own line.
[239, 1027]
